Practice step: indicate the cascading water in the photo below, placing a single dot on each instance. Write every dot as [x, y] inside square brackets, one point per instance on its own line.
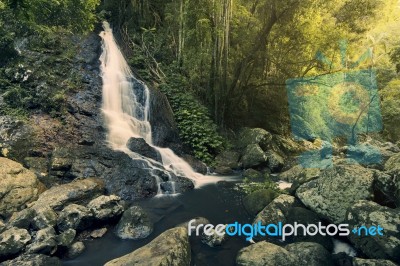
[126, 109]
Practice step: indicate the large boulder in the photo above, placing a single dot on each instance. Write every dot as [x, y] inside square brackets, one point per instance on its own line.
[368, 213]
[13, 241]
[79, 191]
[170, 248]
[18, 187]
[265, 254]
[253, 156]
[259, 136]
[257, 200]
[33, 260]
[134, 224]
[140, 146]
[336, 190]
[227, 160]
[106, 207]
[76, 217]
[275, 161]
[310, 254]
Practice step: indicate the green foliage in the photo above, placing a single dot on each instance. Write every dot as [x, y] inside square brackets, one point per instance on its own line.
[196, 128]
[391, 109]
[250, 185]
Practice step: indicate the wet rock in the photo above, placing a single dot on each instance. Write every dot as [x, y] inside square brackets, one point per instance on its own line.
[140, 146]
[76, 217]
[98, 233]
[106, 207]
[75, 250]
[18, 187]
[170, 248]
[197, 165]
[275, 161]
[13, 241]
[257, 200]
[33, 260]
[310, 254]
[253, 156]
[265, 254]
[223, 170]
[45, 242]
[213, 238]
[336, 190]
[79, 191]
[368, 262]
[134, 224]
[66, 238]
[368, 213]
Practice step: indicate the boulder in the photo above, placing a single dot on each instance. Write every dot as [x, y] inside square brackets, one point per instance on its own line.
[265, 254]
[134, 224]
[98, 233]
[18, 187]
[310, 254]
[336, 190]
[76, 217]
[45, 242]
[79, 191]
[13, 241]
[140, 146]
[22, 219]
[106, 207]
[197, 165]
[253, 156]
[259, 136]
[66, 238]
[300, 175]
[253, 175]
[33, 260]
[369, 262]
[275, 162]
[170, 248]
[229, 159]
[75, 250]
[368, 213]
[257, 200]
[44, 217]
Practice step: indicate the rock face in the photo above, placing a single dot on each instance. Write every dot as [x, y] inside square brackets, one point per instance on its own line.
[392, 185]
[134, 224]
[369, 213]
[336, 190]
[141, 147]
[265, 254]
[170, 248]
[18, 186]
[14, 137]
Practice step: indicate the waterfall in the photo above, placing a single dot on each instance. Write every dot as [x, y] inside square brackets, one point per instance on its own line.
[126, 109]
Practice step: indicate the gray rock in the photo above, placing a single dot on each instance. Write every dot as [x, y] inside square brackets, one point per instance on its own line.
[18, 187]
[33, 260]
[79, 191]
[310, 254]
[66, 238]
[253, 156]
[45, 242]
[140, 146]
[212, 239]
[336, 190]
[257, 200]
[106, 207]
[134, 224]
[98, 233]
[259, 136]
[75, 250]
[76, 217]
[265, 254]
[368, 213]
[300, 175]
[61, 160]
[170, 248]
[229, 159]
[275, 162]
[44, 217]
[223, 170]
[22, 219]
[197, 165]
[369, 262]
[13, 241]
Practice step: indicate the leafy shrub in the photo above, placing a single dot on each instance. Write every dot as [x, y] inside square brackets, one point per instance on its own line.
[196, 128]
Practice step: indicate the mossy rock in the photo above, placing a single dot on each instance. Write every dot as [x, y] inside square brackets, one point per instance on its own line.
[257, 200]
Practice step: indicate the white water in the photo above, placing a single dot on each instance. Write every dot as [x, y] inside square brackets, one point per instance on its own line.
[126, 110]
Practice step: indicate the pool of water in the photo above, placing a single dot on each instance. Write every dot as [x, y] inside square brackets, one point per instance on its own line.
[219, 203]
